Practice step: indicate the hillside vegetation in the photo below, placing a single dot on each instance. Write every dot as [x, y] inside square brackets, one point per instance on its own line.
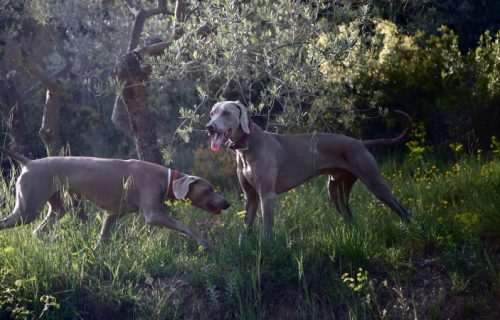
[444, 264]
[137, 79]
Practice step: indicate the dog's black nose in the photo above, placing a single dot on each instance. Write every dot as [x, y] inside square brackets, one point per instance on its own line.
[226, 205]
[210, 128]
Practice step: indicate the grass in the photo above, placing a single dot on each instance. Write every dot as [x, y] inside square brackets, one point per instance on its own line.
[444, 264]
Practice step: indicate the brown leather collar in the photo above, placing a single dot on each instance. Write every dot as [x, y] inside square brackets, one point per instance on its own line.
[170, 188]
[244, 139]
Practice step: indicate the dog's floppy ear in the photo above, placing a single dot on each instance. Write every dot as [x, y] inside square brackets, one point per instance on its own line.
[243, 116]
[181, 186]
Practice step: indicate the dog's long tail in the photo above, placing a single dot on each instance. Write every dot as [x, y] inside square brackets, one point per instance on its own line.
[402, 137]
[14, 156]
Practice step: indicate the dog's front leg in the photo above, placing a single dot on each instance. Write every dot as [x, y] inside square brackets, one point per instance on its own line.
[251, 200]
[159, 219]
[268, 203]
[107, 224]
[251, 206]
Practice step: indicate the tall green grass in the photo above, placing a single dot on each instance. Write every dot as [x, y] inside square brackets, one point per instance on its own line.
[444, 264]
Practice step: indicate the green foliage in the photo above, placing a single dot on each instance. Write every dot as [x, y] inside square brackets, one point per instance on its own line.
[13, 14]
[302, 67]
[453, 94]
[298, 65]
[262, 53]
[219, 168]
[417, 145]
[457, 149]
[495, 146]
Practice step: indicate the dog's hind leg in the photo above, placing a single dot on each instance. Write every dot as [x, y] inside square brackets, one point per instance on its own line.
[382, 191]
[31, 195]
[23, 213]
[365, 168]
[55, 212]
[16, 218]
[339, 187]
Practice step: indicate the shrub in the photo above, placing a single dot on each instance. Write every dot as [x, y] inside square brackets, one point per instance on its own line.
[453, 94]
[218, 167]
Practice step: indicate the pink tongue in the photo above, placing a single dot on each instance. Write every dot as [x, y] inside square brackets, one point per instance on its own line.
[217, 141]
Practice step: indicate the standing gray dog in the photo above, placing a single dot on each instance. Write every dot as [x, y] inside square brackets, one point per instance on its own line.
[270, 164]
[118, 186]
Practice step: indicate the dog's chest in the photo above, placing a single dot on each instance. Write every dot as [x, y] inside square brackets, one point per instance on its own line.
[246, 169]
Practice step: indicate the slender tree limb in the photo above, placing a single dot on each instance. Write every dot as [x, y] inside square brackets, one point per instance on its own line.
[131, 7]
[180, 15]
[50, 128]
[23, 60]
[153, 50]
[140, 17]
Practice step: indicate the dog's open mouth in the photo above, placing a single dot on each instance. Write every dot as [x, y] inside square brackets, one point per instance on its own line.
[219, 139]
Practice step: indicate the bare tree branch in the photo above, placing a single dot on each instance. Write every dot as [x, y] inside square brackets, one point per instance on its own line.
[12, 111]
[153, 50]
[140, 17]
[50, 128]
[133, 9]
[120, 116]
[56, 75]
[180, 15]
[22, 59]
[131, 114]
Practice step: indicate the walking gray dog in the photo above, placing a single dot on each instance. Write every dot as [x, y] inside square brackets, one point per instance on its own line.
[269, 164]
[118, 186]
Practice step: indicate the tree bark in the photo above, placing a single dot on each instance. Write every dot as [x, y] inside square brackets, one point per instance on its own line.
[13, 114]
[50, 131]
[50, 128]
[143, 127]
[121, 117]
[140, 123]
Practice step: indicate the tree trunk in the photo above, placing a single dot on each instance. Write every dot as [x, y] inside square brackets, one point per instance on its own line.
[143, 124]
[49, 131]
[121, 116]
[140, 123]
[13, 114]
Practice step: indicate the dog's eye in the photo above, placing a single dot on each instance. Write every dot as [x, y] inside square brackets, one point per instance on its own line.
[211, 113]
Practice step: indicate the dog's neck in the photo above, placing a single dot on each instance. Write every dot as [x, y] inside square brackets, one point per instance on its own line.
[172, 176]
[239, 140]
